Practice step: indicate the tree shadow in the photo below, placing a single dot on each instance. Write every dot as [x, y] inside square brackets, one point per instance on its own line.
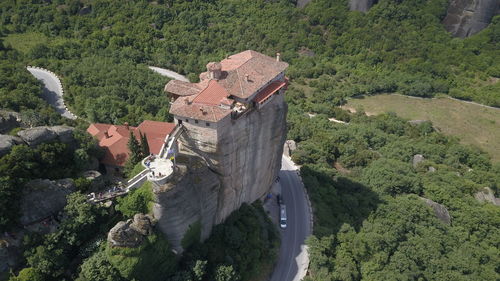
[337, 200]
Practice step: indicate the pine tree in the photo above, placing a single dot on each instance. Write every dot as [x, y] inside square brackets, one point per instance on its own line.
[144, 145]
[135, 148]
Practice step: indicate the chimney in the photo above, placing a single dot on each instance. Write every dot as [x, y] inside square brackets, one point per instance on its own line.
[214, 70]
[246, 77]
[277, 56]
[106, 134]
[126, 125]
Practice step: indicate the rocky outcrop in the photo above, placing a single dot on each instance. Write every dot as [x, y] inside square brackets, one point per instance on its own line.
[465, 18]
[289, 147]
[302, 3]
[37, 135]
[8, 121]
[44, 198]
[361, 5]
[487, 195]
[440, 210]
[132, 232]
[245, 153]
[190, 196]
[7, 142]
[417, 158]
[237, 162]
[96, 179]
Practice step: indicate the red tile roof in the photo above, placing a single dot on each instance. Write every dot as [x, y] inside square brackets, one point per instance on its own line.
[269, 90]
[212, 95]
[241, 76]
[115, 145]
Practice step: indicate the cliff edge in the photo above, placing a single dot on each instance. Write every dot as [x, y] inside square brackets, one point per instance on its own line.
[465, 18]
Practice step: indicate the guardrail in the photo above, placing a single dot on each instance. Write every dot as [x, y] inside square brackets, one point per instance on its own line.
[60, 88]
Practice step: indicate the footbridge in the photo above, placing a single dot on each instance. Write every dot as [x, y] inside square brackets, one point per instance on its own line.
[157, 169]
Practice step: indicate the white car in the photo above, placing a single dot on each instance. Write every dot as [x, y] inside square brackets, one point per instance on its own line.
[283, 216]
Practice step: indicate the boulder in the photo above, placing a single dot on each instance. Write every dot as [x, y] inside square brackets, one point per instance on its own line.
[85, 11]
[440, 210]
[289, 147]
[302, 3]
[95, 177]
[142, 224]
[37, 135]
[6, 143]
[487, 195]
[465, 18]
[65, 133]
[43, 198]
[131, 233]
[431, 169]
[8, 121]
[417, 158]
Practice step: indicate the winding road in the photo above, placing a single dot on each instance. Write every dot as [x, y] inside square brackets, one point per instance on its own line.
[52, 92]
[293, 259]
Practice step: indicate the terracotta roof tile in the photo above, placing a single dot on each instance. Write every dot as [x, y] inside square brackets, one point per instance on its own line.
[212, 95]
[269, 90]
[116, 144]
[242, 75]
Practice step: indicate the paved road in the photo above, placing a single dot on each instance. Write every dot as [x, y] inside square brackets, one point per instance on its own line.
[293, 258]
[52, 91]
[169, 73]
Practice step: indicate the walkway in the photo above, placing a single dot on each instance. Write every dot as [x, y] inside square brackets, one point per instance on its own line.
[169, 73]
[52, 91]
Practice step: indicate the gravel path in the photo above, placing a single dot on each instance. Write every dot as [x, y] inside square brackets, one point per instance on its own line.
[169, 73]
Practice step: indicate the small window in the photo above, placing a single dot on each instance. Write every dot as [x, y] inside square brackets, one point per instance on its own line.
[196, 121]
[187, 120]
[208, 124]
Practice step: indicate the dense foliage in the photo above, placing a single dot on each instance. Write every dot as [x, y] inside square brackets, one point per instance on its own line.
[21, 92]
[370, 220]
[370, 223]
[242, 247]
[100, 48]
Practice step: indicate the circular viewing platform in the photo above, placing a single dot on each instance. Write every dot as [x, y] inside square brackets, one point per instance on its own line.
[160, 169]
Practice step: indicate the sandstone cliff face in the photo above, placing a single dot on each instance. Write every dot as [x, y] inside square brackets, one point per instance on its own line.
[361, 5]
[467, 17]
[236, 162]
[245, 153]
[190, 196]
[43, 198]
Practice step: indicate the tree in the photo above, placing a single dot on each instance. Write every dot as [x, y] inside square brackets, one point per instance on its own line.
[199, 270]
[144, 145]
[392, 177]
[9, 207]
[98, 268]
[28, 274]
[226, 273]
[135, 148]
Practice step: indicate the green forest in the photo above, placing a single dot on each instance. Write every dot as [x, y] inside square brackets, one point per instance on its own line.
[370, 219]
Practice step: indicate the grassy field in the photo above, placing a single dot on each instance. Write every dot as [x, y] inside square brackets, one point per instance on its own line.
[25, 41]
[472, 123]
